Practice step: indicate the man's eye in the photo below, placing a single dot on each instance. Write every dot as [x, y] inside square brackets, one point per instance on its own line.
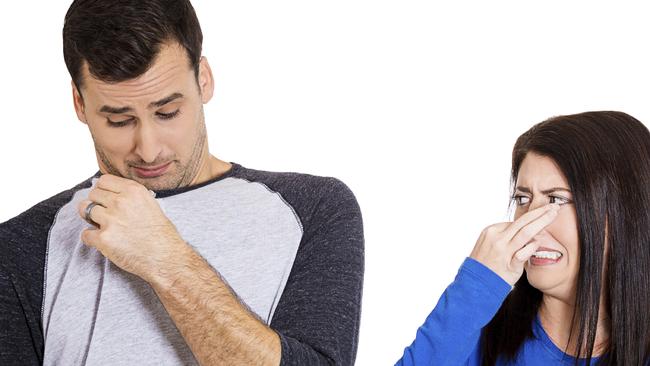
[521, 200]
[168, 115]
[119, 123]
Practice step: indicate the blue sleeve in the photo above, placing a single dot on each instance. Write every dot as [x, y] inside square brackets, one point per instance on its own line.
[451, 333]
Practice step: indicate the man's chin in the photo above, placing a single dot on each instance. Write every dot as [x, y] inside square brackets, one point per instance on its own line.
[170, 179]
[161, 183]
[157, 184]
[167, 179]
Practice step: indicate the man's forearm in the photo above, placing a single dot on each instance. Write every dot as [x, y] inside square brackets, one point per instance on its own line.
[216, 326]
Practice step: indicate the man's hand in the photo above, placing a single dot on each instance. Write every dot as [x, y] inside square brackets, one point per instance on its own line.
[135, 235]
[133, 231]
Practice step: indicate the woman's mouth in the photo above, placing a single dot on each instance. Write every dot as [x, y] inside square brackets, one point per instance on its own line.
[545, 257]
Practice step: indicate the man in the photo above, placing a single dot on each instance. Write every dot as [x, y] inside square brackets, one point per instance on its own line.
[169, 255]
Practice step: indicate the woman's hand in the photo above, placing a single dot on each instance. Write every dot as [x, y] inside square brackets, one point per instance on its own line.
[505, 247]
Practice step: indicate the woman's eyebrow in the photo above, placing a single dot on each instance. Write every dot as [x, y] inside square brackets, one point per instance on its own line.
[546, 191]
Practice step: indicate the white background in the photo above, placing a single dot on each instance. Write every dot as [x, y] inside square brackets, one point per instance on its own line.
[414, 104]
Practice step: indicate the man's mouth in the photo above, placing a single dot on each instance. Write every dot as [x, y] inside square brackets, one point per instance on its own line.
[152, 172]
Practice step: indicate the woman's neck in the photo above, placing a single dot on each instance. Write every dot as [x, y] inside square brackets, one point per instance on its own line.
[556, 316]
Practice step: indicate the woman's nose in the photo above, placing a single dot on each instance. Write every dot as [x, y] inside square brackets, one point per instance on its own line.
[535, 204]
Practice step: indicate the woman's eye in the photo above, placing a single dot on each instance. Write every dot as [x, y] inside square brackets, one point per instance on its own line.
[560, 200]
[521, 200]
[168, 115]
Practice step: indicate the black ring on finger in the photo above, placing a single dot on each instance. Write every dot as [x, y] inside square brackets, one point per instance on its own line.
[88, 211]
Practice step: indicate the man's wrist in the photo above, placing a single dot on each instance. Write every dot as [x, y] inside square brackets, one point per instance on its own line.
[169, 269]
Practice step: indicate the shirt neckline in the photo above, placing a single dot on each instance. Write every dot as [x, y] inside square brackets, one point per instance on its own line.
[551, 347]
[174, 191]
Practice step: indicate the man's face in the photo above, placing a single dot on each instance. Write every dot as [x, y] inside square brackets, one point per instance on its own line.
[150, 129]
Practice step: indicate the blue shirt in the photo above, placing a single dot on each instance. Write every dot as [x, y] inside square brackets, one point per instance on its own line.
[451, 333]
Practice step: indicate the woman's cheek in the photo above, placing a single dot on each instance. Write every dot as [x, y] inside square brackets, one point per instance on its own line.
[565, 230]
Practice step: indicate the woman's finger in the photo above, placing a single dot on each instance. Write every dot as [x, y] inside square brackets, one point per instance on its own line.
[523, 254]
[528, 232]
[526, 219]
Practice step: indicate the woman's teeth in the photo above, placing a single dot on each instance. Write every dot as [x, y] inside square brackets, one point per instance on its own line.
[547, 255]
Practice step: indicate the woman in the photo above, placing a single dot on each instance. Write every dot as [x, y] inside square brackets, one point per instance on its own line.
[568, 281]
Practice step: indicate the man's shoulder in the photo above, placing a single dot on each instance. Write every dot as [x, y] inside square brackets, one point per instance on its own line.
[300, 186]
[34, 221]
[313, 197]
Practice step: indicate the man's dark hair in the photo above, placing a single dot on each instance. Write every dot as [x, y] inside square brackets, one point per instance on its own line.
[119, 39]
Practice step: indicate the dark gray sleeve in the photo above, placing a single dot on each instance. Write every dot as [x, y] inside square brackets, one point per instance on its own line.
[23, 245]
[22, 255]
[21, 341]
[318, 315]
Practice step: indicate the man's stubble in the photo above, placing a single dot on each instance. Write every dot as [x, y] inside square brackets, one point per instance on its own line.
[184, 173]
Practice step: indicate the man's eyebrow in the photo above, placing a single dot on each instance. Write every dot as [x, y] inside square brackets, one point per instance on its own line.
[165, 100]
[114, 110]
[156, 104]
[545, 192]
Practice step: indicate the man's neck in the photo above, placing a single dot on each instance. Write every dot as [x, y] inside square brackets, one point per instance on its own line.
[211, 168]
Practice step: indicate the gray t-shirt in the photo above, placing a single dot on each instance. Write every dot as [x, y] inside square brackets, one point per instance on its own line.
[290, 246]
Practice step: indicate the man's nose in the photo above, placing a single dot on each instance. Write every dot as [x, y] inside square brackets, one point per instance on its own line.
[148, 146]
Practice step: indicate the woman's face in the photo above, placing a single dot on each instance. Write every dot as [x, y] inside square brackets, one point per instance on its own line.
[554, 267]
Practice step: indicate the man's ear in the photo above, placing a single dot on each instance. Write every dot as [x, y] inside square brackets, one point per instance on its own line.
[78, 103]
[205, 80]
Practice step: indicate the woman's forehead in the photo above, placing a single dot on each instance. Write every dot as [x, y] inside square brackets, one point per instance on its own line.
[540, 172]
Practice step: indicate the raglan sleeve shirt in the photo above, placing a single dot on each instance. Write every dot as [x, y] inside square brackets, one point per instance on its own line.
[22, 261]
[317, 315]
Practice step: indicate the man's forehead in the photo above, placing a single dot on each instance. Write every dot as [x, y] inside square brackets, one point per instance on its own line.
[169, 72]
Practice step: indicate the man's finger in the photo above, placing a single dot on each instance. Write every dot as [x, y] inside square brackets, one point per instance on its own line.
[113, 183]
[90, 237]
[528, 232]
[101, 196]
[526, 219]
[96, 215]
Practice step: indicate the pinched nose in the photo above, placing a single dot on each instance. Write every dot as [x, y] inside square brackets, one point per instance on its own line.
[541, 235]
